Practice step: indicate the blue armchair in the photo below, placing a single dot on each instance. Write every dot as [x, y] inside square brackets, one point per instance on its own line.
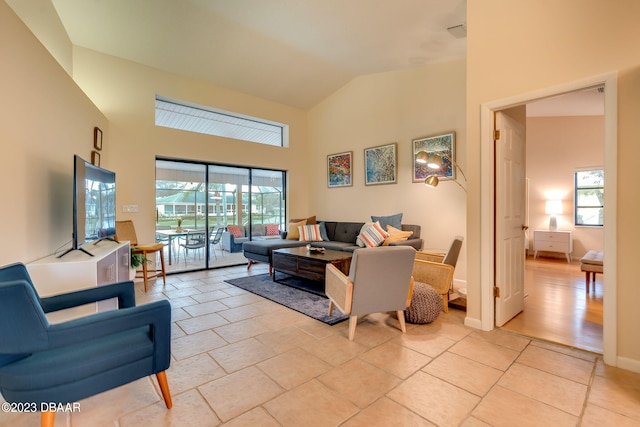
[62, 363]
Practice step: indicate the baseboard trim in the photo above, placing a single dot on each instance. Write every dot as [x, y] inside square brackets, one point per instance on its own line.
[629, 364]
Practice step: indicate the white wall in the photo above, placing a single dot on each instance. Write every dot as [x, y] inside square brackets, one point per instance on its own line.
[383, 108]
[556, 148]
[507, 56]
[126, 91]
[44, 120]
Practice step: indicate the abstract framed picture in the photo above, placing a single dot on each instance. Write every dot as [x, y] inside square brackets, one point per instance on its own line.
[340, 169]
[381, 164]
[442, 145]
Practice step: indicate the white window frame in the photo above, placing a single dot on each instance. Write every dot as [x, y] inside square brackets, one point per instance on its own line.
[192, 117]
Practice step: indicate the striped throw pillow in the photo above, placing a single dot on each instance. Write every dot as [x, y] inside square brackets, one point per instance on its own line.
[373, 235]
[310, 233]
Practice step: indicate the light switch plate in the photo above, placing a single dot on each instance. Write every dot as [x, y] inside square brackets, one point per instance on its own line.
[129, 208]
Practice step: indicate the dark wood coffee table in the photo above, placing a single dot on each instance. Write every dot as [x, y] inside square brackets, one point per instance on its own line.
[308, 265]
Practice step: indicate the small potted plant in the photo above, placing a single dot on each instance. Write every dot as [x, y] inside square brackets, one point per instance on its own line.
[137, 260]
[179, 227]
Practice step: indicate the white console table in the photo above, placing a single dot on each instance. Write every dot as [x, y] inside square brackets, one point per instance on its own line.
[77, 270]
[553, 241]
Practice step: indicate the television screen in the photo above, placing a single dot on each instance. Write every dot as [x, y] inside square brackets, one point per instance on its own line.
[94, 204]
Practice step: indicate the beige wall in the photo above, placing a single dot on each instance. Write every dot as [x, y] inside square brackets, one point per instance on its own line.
[556, 148]
[509, 54]
[381, 109]
[44, 120]
[125, 92]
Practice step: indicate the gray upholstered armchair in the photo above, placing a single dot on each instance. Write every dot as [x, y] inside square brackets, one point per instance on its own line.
[379, 280]
[42, 363]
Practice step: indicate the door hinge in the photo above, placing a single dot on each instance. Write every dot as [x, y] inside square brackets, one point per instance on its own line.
[496, 134]
[496, 292]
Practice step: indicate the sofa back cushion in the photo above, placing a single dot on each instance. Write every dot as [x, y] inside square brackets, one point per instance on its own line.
[343, 231]
[414, 228]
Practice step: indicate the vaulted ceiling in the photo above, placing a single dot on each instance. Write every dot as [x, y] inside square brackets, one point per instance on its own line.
[295, 52]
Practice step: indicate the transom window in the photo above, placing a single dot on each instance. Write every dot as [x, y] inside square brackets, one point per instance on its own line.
[589, 198]
[183, 115]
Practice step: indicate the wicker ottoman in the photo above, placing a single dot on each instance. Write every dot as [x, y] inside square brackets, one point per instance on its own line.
[426, 304]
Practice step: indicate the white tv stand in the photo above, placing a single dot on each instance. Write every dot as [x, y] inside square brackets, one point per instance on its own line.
[77, 270]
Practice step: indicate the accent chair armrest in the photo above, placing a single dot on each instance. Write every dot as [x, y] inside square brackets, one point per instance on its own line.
[410, 295]
[156, 315]
[124, 291]
[339, 288]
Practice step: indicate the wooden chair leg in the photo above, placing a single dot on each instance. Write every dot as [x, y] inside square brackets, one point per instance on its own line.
[47, 418]
[403, 326]
[145, 273]
[353, 321]
[445, 302]
[330, 307]
[164, 388]
[164, 271]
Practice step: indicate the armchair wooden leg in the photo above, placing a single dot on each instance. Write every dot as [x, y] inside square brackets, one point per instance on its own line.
[445, 302]
[145, 273]
[47, 418]
[353, 321]
[403, 326]
[164, 270]
[164, 388]
[330, 307]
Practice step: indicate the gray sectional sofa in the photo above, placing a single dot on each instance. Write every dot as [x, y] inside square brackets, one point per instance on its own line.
[341, 237]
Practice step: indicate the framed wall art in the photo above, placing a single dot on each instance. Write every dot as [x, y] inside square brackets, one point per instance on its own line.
[340, 169]
[381, 164]
[97, 138]
[95, 158]
[444, 146]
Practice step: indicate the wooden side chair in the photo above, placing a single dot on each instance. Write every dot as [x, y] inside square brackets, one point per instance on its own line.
[126, 231]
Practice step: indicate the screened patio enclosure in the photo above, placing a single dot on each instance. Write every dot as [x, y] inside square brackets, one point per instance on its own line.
[194, 200]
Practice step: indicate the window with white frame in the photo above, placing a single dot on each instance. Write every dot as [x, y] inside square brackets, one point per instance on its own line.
[589, 198]
[190, 117]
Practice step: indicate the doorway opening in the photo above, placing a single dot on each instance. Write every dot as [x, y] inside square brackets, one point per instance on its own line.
[488, 227]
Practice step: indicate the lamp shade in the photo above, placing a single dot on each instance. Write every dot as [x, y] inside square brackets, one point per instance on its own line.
[422, 157]
[432, 181]
[435, 161]
[553, 207]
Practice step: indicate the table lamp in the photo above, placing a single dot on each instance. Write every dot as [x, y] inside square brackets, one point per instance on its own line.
[553, 208]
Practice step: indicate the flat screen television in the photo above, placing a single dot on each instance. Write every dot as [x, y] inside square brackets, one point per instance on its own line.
[94, 204]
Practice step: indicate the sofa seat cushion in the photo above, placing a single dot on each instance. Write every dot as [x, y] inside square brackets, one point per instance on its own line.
[264, 247]
[333, 245]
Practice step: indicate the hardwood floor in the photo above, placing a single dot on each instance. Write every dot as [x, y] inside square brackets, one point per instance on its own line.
[557, 307]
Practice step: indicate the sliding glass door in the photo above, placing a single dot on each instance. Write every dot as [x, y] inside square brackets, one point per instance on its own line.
[204, 212]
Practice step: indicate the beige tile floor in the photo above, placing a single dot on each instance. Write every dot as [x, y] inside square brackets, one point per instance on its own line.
[240, 360]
